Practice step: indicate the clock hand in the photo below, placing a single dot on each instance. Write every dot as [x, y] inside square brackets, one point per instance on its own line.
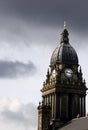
[69, 72]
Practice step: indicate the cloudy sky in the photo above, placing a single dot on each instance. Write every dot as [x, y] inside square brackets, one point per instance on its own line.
[29, 32]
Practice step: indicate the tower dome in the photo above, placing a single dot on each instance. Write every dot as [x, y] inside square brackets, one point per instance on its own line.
[64, 53]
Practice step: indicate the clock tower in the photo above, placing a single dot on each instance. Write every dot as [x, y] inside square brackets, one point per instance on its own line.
[64, 90]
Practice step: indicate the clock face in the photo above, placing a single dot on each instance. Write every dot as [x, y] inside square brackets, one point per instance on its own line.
[68, 72]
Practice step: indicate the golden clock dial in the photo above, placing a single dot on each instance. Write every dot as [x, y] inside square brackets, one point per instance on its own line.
[54, 73]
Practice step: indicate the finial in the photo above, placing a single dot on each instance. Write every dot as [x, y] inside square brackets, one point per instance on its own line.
[80, 70]
[64, 24]
[48, 71]
[84, 81]
[64, 38]
[47, 74]
[39, 103]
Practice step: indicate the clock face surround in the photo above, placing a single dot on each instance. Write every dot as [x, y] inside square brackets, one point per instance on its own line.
[68, 72]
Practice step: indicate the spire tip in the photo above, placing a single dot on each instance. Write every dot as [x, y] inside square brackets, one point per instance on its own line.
[64, 24]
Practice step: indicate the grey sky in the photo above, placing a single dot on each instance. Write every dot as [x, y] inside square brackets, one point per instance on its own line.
[24, 116]
[29, 32]
[48, 12]
[36, 21]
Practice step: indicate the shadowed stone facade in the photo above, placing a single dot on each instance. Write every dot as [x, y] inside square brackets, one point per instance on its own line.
[64, 90]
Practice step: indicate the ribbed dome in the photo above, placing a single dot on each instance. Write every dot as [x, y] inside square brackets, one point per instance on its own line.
[64, 53]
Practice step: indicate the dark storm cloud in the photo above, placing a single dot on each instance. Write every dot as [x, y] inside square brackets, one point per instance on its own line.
[48, 12]
[9, 69]
[28, 22]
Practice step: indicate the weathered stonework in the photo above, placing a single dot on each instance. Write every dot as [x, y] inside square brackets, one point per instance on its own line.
[64, 90]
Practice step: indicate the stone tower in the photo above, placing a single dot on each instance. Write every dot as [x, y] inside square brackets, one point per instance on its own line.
[64, 91]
